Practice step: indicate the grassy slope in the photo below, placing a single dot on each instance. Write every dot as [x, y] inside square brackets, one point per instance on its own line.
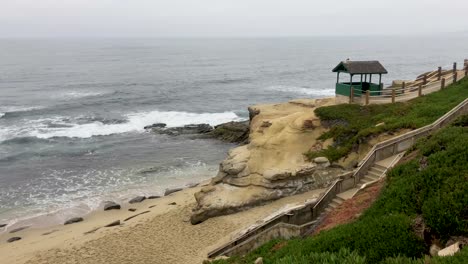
[433, 185]
[352, 124]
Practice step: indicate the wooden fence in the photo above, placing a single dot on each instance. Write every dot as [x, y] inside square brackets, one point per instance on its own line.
[424, 84]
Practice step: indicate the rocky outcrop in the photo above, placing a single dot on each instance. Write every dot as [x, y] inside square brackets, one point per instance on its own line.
[232, 132]
[272, 165]
[184, 130]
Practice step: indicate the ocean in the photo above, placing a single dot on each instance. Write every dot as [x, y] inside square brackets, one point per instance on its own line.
[72, 111]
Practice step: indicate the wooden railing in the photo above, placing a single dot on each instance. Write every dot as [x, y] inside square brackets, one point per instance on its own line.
[403, 142]
[427, 84]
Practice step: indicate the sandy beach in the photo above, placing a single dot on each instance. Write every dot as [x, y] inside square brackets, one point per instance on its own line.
[163, 235]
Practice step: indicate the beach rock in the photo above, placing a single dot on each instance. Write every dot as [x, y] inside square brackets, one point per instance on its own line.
[115, 223]
[322, 161]
[259, 260]
[132, 209]
[133, 216]
[233, 132]
[111, 206]
[173, 203]
[73, 220]
[153, 197]
[13, 239]
[157, 125]
[137, 199]
[450, 250]
[173, 190]
[192, 185]
[18, 229]
[3, 225]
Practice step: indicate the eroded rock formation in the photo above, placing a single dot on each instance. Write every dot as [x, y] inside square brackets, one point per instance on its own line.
[272, 165]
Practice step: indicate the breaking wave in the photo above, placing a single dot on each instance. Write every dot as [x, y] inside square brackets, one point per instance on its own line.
[75, 128]
[302, 90]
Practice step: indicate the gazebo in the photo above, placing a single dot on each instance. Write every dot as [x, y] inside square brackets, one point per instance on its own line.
[363, 68]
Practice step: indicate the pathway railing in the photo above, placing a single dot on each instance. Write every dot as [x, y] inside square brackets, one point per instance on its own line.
[424, 84]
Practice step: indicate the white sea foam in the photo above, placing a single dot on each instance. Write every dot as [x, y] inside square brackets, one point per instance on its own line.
[10, 109]
[1, 114]
[135, 123]
[301, 90]
[70, 95]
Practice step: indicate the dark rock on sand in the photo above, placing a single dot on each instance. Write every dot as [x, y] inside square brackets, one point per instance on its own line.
[132, 209]
[133, 216]
[173, 203]
[13, 239]
[169, 191]
[50, 232]
[157, 125]
[193, 184]
[137, 199]
[111, 206]
[233, 132]
[115, 223]
[3, 225]
[73, 220]
[18, 229]
[153, 197]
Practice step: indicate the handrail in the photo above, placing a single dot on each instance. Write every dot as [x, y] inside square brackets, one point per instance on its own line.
[407, 136]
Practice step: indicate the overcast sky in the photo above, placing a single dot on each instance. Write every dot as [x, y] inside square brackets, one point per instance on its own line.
[228, 18]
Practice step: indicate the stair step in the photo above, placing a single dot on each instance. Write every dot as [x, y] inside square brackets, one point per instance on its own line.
[374, 174]
[338, 199]
[328, 209]
[380, 167]
[367, 179]
[377, 170]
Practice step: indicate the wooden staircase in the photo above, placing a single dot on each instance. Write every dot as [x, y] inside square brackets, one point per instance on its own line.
[376, 172]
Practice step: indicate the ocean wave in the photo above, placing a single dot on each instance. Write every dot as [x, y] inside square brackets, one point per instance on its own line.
[301, 90]
[53, 127]
[71, 95]
[5, 111]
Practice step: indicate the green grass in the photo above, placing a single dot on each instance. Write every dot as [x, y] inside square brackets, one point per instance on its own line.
[352, 124]
[437, 191]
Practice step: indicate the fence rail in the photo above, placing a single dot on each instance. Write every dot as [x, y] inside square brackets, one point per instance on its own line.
[424, 84]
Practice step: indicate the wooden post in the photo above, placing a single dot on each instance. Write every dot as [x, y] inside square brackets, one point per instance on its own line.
[455, 77]
[420, 90]
[466, 70]
[439, 73]
[454, 67]
[403, 86]
[425, 79]
[442, 84]
[393, 95]
[351, 95]
[367, 96]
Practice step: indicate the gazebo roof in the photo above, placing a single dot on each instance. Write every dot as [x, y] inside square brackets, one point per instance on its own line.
[360, 67]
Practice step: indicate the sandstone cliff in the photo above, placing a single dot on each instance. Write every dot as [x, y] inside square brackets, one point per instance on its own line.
[272, 165]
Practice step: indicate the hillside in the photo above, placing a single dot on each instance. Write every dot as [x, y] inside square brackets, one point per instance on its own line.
[422, 204]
